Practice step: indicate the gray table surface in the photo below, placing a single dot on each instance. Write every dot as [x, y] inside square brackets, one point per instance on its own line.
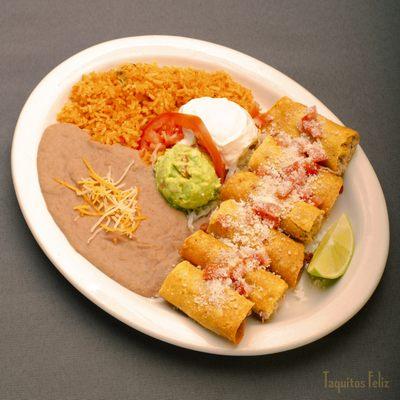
[55, 344]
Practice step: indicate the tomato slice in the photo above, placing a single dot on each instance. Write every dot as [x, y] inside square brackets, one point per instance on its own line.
[166, 130]
[161, 134]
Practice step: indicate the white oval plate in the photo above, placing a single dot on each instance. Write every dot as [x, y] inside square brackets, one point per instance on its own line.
[305, 315]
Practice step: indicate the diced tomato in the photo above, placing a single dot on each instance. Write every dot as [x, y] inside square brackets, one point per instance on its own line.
[295, 173]
[262, 120]
[208, 273]
[263, 258]
[256, 260]
[240, 289]
[291, 168]
[307, 195]
[236, 275]
[269, 212]
[311, 168]
[316, 152]
[311, 114]
[284, 190]
[167, 130]
[237, 272]
[309, 123]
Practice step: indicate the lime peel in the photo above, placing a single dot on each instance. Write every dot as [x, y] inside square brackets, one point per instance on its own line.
[333, 255]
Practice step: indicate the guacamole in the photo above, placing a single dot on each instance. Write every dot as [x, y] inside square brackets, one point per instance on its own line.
[186, 177]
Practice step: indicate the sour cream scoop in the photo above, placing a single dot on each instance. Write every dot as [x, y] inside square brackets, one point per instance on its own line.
[230, 126]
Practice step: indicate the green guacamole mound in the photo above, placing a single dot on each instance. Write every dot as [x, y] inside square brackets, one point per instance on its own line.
[186, 177]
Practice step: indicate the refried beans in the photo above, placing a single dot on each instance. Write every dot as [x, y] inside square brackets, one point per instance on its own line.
[140, 264]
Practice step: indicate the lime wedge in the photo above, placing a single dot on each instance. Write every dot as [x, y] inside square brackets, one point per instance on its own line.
[334, 252]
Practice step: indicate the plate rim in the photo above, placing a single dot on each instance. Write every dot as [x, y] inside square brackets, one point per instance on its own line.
[184, 42]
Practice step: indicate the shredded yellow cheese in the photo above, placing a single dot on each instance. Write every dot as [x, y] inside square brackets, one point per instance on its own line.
[118, 210]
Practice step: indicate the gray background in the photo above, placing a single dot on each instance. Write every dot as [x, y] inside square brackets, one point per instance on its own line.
[55, 344]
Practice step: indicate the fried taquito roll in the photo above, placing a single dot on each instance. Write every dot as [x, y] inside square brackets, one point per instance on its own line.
[339, 142]
[267, 289]
[301, 222]
[213, 305]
